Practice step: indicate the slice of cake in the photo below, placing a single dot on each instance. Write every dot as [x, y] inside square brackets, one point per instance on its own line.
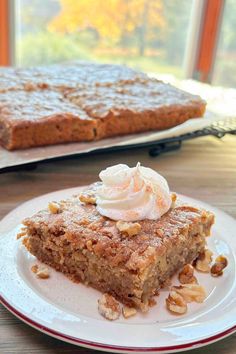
[130, 258]
[34, 118]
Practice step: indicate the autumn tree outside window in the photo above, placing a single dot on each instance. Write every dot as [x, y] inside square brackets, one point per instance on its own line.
[150, 35]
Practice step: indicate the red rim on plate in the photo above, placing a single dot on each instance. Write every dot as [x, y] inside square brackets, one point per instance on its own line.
[99, 346]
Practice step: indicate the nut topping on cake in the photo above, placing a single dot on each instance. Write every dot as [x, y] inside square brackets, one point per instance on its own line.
[130, 228]
[87, 198]
[54, 207]
[173, 198]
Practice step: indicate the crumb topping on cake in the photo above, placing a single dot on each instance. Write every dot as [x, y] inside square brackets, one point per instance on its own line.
[82, 225]
[129, 228]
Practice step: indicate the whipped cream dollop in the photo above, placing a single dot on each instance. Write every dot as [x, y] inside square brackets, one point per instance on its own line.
[132, 194]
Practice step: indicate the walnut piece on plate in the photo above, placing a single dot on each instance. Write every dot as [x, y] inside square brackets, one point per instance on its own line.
[186, 276]
[219, 265]
[203, 261]
[108, 307]
[42, 272]
[128, 311]
[176, 303]
[191, 292]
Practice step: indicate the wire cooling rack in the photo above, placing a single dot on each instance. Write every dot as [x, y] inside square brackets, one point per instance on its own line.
[217, 129]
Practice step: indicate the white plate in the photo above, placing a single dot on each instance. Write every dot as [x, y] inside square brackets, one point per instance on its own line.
[68, 311]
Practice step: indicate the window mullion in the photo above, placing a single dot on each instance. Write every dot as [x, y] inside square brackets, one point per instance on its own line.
[203, 39]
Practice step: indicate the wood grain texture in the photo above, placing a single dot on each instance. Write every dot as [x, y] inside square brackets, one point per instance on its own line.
[204, 168]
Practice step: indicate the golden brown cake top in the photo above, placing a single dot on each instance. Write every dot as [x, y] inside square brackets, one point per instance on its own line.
[84, 90]
[139, 95]
[82, 74]
[8, 79]
[89, 90]
[83, 227]
[28, 106]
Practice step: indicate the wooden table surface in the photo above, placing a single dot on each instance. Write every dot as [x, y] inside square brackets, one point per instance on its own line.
[204, 168]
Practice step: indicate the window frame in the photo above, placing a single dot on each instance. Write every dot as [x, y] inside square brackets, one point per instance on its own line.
[4, 34]
[7, 32]
[203, 39]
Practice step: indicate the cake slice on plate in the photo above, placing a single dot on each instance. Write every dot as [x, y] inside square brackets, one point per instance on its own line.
[125, 236]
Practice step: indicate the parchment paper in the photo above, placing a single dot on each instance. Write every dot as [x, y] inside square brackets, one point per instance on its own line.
[21, 157]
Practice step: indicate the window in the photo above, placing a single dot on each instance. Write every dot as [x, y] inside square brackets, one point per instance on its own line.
[146, 34]
[225, 66]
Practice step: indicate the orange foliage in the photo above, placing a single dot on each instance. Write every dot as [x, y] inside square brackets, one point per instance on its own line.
[112, 19]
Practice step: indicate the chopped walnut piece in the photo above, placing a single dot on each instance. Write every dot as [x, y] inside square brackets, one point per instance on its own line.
[191, 292]
[176, 303]
[131, 228]
[152, 302]
[34, 268]
[87, 198]
[173, 198]
[128, 311]
[42, 272]
[89, 245]
[222, 259]
[22, 233]
[108, 307]
[220, 264]
[203, 261]
[186, 276]
[54, 207]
